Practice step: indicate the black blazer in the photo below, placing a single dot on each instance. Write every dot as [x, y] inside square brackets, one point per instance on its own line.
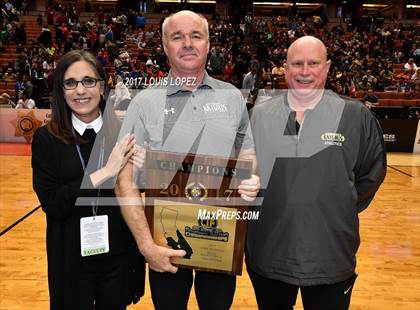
[57, 176]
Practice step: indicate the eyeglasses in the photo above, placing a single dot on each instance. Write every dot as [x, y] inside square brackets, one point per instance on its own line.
[87, 82]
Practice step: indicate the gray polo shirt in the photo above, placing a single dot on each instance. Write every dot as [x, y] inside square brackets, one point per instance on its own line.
[212, 120]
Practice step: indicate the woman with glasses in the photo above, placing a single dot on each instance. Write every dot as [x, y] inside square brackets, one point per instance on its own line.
[75, 160]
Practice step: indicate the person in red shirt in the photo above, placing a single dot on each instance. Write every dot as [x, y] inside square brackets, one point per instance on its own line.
[92, 36]
[65, 30]
[228, 70]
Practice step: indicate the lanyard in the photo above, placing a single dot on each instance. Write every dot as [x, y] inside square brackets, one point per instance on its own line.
[100, 165]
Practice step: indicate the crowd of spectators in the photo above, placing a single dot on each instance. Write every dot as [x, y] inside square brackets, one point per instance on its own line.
[361, 59]
[10, 27]
[250, 54]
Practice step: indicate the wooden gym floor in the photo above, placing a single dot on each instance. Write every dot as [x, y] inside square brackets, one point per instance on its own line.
[388, 258]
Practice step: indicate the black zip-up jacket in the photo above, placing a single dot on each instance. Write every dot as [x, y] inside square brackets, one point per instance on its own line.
[317, 178]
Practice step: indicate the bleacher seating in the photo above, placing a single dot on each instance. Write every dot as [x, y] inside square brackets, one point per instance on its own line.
[33, 30]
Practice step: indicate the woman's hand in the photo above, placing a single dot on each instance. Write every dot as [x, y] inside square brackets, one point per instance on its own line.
[120, 154]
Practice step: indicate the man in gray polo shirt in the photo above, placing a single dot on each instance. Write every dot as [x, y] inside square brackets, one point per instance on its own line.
[209, 120]
[189, 112]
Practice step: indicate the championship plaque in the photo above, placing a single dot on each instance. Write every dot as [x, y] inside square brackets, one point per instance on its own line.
[192, 204]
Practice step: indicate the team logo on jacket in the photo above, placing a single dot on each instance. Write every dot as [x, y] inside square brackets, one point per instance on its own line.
[390, 137]
[332, 138]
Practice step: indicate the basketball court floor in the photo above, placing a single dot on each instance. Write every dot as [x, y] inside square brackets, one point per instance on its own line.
[388, 258]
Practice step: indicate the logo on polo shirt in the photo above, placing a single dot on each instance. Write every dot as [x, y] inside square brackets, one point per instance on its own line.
[167, 111]
[215, 107]
[332, 138]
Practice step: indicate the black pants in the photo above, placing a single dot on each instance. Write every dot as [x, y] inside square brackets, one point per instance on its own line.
[278, 295]
[102, 283]
[214, 291]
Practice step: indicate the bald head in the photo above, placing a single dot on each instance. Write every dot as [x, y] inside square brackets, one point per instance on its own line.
[183, 15]
[307, 67]
[307, 42]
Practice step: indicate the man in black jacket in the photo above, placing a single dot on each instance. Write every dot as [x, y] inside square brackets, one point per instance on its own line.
[322, 168]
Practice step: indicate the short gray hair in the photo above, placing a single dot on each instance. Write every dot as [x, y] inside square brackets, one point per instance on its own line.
[185, 12]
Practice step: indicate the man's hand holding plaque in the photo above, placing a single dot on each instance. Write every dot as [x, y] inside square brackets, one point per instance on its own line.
[159, 257]
[249, 188]
[192, 204]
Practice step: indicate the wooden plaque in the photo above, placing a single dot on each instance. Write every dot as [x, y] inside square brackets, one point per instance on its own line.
[192, 204]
